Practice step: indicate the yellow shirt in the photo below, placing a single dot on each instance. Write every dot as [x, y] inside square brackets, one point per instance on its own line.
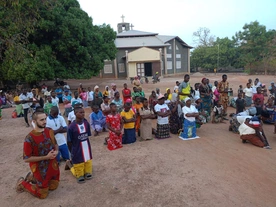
[16, 98]
[170, 97]
[128, 115]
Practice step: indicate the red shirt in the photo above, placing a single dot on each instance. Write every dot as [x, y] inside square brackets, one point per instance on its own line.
[127, 92]
[260, 96]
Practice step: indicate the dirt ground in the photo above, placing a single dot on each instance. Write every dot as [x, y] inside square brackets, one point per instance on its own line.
[215, 170]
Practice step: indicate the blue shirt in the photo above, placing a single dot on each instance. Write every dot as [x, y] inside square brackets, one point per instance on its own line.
[59, 90]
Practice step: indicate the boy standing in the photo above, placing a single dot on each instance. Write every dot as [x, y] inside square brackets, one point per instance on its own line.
[79, 145]
[58, 125]
[240, 103]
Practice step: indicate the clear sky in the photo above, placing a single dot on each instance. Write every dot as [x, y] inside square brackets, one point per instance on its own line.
[183, 17]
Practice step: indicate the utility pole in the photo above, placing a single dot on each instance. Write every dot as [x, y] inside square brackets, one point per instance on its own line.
[218, 59]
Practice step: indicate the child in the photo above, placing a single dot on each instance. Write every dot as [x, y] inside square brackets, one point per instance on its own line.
[76, 99]
[58, 125]
[106, 92]
[97, 120]
[134, 94]
[162, 110]
[137, 107]
[105, 106]
[240, 104]
[129, 119]
[18, 105]
[146, 119]
[71, 115]
[259, 95]
[167, 101]
[219, 113]
[84, 98]
[48, 105]
[240, 90]
[175, 89]
[79, 145]
[115, 125]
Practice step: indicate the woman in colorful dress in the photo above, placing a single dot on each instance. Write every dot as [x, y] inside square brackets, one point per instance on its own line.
[176, 118]
[97, 90]
[115, 125]
[205, 95]
[118, 101]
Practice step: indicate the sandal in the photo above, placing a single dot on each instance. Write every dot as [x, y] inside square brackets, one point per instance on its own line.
[68, 165]
[19, 187]
[30, 178]
[81, 180]
[105, 140]
[87, 176]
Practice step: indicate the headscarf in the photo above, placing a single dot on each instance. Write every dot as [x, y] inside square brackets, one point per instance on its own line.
[167, 89]
[113, 84]
[106, 87]
[203, 79]
[186, 99]
[96, 87]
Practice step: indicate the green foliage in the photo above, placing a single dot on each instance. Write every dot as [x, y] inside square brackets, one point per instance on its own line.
[62, 42]
[253, 47]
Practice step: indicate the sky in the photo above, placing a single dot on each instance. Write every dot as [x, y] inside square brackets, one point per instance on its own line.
[183, 17]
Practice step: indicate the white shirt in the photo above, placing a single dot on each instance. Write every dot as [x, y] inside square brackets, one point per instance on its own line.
[30, 94]
[167, 101]
[187, 110]
[54, 124]
[76, 100]
[175, 88]
[55, 101]
[71, 116]
[248, 92]
[90, 95]
[162, 108]
[244, 129]
[23, 97]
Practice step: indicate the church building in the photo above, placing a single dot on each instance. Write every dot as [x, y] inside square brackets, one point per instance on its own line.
[145, 53]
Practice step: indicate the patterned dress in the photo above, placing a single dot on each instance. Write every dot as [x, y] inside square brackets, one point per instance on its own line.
[146, 128]
[223, 96]
[175, 120]
[114, 141]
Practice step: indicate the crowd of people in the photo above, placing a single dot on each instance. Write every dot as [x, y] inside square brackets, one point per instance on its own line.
[127, 115]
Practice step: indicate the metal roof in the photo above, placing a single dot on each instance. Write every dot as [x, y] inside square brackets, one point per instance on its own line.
[135, 33]
[166, 38]
[148, 41]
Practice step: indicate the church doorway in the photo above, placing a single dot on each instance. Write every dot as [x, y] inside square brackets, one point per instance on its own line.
[148, 69]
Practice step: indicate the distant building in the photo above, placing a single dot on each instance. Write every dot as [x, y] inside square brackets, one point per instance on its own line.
[145, 53]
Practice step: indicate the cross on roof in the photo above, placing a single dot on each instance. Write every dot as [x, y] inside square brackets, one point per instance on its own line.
[131, 26]
[123, 17]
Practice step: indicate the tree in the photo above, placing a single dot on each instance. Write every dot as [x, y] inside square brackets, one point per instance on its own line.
[64, 43]
[203, 37]
[254, 43]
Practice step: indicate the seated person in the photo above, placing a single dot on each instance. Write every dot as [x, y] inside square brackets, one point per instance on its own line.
[250, 130]
[219, 113]
[97, 120]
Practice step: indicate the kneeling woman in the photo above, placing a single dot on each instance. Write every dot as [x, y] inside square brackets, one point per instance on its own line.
[190, 114]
